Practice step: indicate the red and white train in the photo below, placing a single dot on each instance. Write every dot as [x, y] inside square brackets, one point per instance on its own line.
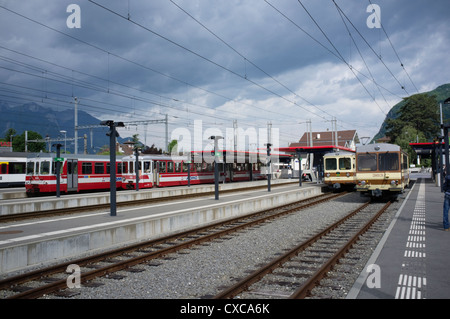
[12, 169]
[91, 172]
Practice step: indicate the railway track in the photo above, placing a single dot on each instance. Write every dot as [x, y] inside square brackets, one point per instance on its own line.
[106, 206]
[297, 272]
[46, 281]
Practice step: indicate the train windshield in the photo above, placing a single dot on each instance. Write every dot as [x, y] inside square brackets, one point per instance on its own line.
[345, 163]
[30, 168]
[330, 164]
[388, 162]
[367, 162]
[45, 168]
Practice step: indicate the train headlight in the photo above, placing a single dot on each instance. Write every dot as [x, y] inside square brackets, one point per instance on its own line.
[348, 174]
[362, 183]
[328, 174]
[394, 183]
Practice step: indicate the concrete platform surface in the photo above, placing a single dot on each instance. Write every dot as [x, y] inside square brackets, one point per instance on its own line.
[30, 243]
[412, 260]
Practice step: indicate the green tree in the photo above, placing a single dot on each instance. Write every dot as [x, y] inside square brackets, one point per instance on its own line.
[136, 141]
[173, 147]
[407, 136]
[34, 147]
[10, 133]
[420, 112]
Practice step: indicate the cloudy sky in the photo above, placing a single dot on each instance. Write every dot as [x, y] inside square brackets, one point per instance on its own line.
[286, 62]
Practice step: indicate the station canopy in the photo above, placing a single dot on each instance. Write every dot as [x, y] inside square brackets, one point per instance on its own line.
[424, 148]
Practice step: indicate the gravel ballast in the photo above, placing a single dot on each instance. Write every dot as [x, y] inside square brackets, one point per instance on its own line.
[207, 269]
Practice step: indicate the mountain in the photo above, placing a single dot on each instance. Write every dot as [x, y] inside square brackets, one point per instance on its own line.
[442, 93]
[49, 122]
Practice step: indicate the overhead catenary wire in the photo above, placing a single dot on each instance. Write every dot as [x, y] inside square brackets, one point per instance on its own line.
[47, 78]
[364, 61]
[128, 60]
[338, 52]
[395, 51]
[246, 59]
[329, 50]
[201, 56]
[371, 48]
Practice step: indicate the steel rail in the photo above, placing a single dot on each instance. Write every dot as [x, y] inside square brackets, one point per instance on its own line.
[305, 289]
[257, 275]
[45, 289]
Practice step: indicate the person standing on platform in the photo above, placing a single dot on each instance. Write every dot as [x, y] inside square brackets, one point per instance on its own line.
[446, 188]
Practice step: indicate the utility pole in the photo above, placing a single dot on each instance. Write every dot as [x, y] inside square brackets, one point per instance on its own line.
[167, 134]
[76, 126]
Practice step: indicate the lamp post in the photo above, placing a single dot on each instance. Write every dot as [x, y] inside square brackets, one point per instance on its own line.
[112, 161]
[216, 165]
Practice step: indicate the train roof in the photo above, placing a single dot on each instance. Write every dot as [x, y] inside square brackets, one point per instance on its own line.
[13, 154]
[378, 147]
[425, 148]
[339, 153]
[314, 149]
[160, 157]
[72, 156]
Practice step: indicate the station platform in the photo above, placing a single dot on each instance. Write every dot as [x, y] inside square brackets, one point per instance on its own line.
[17, 204]
[413, 258]
[27, 244]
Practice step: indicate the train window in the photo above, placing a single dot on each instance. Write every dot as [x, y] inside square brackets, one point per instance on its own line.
[367, 162]
[345, 163]
[405, 162]
[45, 168]
[147, 167]
[86, 168]
[388, 162]
[330, 164]
[71, 167]
[169, 167]
[30, 168]
[99, 168]
[4, 168]
[178, 167]
[17, 168]
[162, 167]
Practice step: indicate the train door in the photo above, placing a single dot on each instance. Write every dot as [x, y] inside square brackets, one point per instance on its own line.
[148, 172]
[156, 173]
[72, 175]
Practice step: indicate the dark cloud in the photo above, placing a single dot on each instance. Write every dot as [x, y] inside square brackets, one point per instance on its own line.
[268, 69]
